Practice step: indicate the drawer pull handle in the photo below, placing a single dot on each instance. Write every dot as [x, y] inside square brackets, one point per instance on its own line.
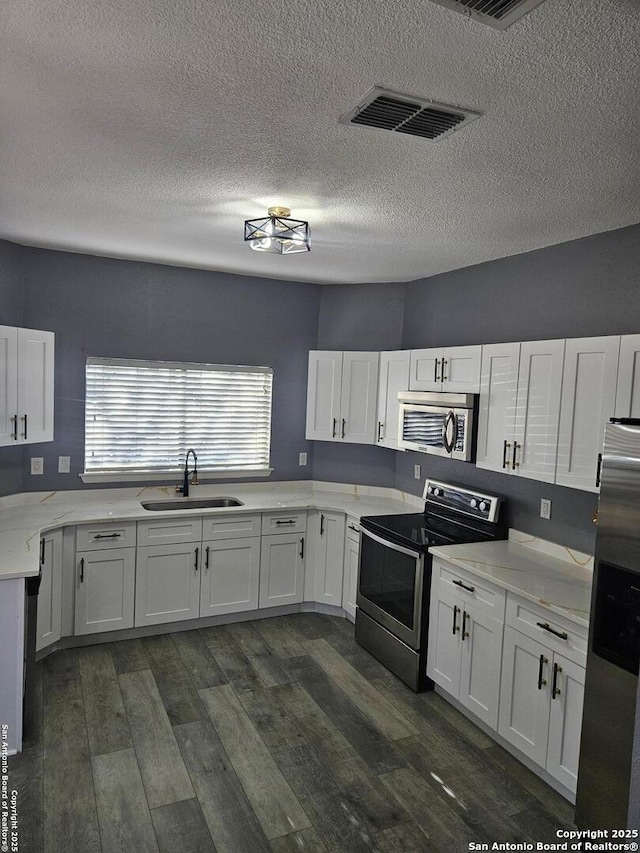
[107, 536]
[555, 690]
[456, 610]
[206, 559]
[289, 521]
[353, 527]
[82, 570]
[546, 627]
[465, 616]
[195, 565]
[464, 586]
[541, 680]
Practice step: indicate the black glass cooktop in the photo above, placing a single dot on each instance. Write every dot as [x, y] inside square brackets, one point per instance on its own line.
[420, 530]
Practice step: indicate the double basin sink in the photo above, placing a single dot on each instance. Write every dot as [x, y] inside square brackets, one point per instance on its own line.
[190, 503]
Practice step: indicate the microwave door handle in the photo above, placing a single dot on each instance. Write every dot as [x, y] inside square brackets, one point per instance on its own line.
[450, 418]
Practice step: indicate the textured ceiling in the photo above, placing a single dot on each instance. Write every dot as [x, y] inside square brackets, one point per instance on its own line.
[152, 129]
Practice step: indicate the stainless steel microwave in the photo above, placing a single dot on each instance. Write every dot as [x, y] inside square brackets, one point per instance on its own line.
[442, 424]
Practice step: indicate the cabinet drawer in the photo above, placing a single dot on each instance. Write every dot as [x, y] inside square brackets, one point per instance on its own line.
[353, 529]
[230, 526]
[529, 618]
[486, 597]
[93, 537]
[168, 531]
[284, 522]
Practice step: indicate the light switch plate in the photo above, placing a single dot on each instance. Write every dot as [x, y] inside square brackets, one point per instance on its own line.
[416, 472]
[545, 508]
[37, 465]
[64, 464]
[302, 459]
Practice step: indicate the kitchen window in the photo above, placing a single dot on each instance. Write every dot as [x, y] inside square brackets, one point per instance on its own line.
[141, 417]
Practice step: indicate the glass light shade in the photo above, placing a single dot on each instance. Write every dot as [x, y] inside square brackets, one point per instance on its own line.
[277, 233]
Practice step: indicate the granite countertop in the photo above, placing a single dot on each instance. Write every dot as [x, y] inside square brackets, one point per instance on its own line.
[23, 518]
[550, 575]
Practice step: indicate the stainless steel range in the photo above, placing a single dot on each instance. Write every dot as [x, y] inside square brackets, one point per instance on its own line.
[394, 580]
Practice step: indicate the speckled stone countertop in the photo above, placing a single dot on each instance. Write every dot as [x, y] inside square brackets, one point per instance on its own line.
[23, 518]
[550, 575]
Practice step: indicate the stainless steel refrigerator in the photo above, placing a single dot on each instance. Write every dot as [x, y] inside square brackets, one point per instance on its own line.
[608, 794]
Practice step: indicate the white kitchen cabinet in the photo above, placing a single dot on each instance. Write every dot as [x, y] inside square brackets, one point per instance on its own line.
[451, 369]
[26, 385]
[628, 390]
[351, 562]
[463, 654]
[230, 576]
[104, 589]
[588, 401]
[329, 558]
[167, 583]
[541, 699]
[282, 569]
[519, 409]
[50, 596]
[393, 377]
[341, 396]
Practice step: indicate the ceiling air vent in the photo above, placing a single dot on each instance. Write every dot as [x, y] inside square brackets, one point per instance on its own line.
[496, 13]
[386, 110]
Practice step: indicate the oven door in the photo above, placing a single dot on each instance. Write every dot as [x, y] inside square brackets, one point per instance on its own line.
[436, 429]
[390, 581]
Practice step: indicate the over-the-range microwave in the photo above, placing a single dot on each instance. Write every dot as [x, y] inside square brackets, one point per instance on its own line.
[438, 423]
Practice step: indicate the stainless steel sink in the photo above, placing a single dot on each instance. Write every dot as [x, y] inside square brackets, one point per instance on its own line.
[190, 503]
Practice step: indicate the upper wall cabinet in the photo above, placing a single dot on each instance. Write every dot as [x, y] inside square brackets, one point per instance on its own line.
[628, 392]
[26, 386]
[520, 408]
[341, 396]
[455, 369]
[394, 377]
[588, 401]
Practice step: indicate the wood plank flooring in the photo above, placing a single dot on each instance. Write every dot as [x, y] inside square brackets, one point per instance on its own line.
[275, 736]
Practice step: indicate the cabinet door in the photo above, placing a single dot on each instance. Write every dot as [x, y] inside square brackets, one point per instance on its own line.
[329, 558]
[351, 560]
[167, 583]
[524, 697]
[480, 664]
[50, 596]
[425, 369]
[8, 385]
[281, 570]
[35, 385]
[324, 385]
[394, 377]
[538, 409]
[444, 652]
[498, 400]
[460, 369]
[565, 721]
[588, 401]
[105, 583]
[230, 576]
[358, 402]
[628, 391]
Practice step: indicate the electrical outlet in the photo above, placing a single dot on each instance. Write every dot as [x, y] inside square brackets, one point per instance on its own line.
[64, 464]
[416, 472]
[545, 508]
[37, 465]
[302, 459]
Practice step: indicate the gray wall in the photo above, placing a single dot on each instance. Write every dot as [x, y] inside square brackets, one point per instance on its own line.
[106, 307]
[11, 314]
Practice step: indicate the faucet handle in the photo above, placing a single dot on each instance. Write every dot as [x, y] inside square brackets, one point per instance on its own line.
[194, 479]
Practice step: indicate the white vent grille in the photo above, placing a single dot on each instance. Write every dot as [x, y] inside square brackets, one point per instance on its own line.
[386, 110]
[496, 13]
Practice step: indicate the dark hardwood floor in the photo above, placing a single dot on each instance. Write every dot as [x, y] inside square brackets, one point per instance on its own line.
[277, 735]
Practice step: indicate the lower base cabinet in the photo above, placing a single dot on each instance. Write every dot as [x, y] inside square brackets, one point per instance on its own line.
[49, 625]
[351, 563]
[104, 586]
[329, 558]
[167, 583]
[230, 576]
[541, 700]
[282, 569]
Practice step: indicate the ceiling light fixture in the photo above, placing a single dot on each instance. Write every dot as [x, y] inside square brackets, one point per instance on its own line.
[277, 233]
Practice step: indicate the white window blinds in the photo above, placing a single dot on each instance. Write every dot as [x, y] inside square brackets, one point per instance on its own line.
[145, 415]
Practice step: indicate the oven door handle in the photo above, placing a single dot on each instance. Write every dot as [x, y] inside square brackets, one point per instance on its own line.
[388, 544]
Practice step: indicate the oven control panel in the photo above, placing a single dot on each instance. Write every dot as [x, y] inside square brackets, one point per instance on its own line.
[464, 500]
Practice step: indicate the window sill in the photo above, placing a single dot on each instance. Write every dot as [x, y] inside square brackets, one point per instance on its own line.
[163, 476]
